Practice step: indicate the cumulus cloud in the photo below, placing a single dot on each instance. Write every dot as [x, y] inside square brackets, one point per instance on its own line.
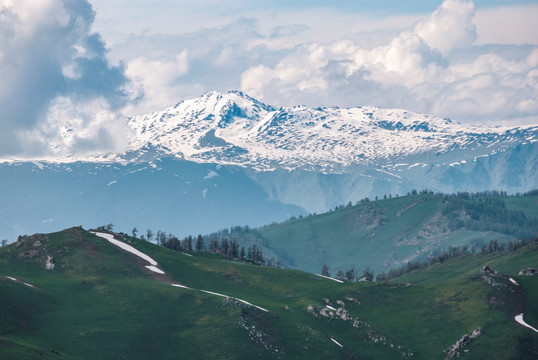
[433, 67]
[54, 70]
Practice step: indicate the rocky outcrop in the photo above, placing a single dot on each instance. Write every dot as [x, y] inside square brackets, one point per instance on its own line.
[454, 350]
[527, 272]
[49, 264]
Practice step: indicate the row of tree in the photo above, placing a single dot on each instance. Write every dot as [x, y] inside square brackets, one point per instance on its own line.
[225, 248]
[350, 274]
[453, 252]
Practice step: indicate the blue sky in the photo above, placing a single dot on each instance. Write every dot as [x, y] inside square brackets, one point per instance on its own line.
[72, 70]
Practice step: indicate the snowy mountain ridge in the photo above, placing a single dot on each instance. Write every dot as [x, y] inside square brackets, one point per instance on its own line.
[234, 129]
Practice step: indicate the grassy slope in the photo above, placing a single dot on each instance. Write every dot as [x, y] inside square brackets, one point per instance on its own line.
[379, 237]
[102, 305]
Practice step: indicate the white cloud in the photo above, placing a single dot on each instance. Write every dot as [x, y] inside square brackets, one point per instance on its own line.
[507, 25]
[433, 67]
[76, 128]
[154, 82]
[49, 53]
[449, 27]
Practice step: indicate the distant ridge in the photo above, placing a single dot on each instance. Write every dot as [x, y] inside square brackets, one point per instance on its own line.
[235, 129]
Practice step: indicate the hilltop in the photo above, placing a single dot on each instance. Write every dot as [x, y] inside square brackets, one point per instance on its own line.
[100, 301]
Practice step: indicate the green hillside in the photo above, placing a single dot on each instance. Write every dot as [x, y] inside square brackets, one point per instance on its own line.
[101, 302]
[388, 233]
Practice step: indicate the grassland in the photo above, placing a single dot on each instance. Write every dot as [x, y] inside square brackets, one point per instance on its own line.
[99, 302]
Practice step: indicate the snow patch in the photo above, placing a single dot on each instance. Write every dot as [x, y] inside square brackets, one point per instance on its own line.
[513, 281]
[181, 286]
[243, 301]
[256, 306]
[210, 175]
[154, 269]
[519, 319]
[126, 247]
[386, 172]
[112, 182]
[336, 342]
[38, 164]
[330, 278]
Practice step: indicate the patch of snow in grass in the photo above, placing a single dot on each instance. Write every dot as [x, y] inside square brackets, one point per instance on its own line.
[388, 173]
[513, 281]
[336, 342]
[243, 301]
[519, 319]
[330, 307]
[210, 174]
[330, 278]
[214, 293]
[181, 286]
[126, 247]
[154, 269]
[256, 306]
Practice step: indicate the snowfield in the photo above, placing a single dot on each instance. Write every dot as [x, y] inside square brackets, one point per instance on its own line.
[234, 129]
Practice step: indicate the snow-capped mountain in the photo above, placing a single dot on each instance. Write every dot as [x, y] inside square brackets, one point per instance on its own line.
[235, 129]
[227, 159]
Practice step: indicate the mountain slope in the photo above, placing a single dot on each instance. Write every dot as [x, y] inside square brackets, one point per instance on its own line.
[233, 128]
[225, 158]
[389, 233]
[99, 301]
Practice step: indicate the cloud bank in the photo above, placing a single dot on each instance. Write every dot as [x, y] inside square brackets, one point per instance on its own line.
[58, 90]
[64, 86]
[440, 64]
[433, 67]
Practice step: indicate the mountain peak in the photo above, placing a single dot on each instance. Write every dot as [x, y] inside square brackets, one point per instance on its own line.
[234, 128]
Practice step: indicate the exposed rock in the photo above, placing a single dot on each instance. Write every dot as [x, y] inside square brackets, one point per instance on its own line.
[49, 264]
[527, 272]
[453, 351]
[490, 281]
[29, 253]
[487, 270]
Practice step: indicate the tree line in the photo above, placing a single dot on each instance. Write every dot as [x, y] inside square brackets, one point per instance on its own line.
[453, 252]
[228, 249]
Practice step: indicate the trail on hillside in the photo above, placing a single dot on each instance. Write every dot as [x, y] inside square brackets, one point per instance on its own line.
[154, 267]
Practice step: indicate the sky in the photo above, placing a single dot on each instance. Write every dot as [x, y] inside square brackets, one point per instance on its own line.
[71, 71]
